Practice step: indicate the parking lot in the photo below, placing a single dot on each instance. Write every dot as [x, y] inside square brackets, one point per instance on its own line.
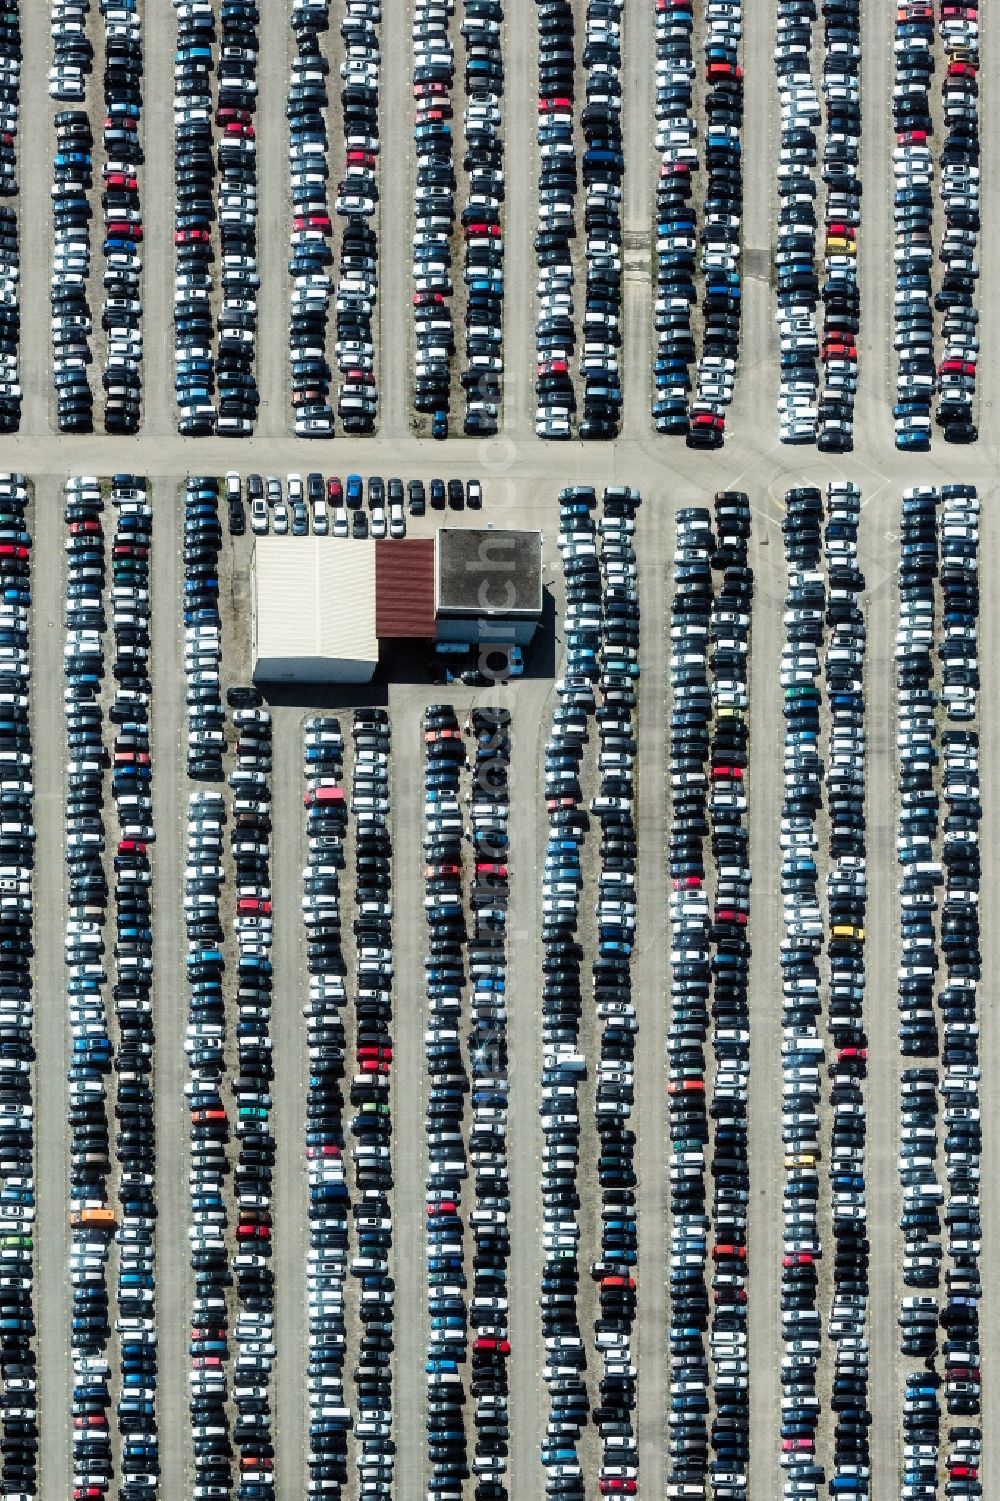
[530, 703]
[324, 296]
[334, 1205]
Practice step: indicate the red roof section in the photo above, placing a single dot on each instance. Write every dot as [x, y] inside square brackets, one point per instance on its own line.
[404, 588]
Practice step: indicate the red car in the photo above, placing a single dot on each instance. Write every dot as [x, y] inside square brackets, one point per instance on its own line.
[192, 237]
[124, 231]
[686, 1086]
[489, 868]
[617, 1485]
[687, 883]
[487, 1342]
[334, 490]
[253, 1232]
[8, 550]
[253, 906]
[442, 1206]
[546, 105]
[119, 180]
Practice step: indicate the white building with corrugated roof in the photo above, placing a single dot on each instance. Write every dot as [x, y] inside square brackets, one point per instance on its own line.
[313, 609]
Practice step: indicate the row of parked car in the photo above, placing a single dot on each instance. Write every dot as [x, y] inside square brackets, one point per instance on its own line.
[253, 1273]
[842, 87]
[93, 1222]
[847, 893]
[18, 1389]
[709, 742]
[121, 318]
[823, 590]
[913, 208]
[937, 669]
[555, 324]
[804, 415]
[357, 194]
[447, 1166]
[614, 1270]
[701, 418]
[357, 197]
[194, 215]
[603, 173]
[204, 1046]
[206, 737]
[455, 953]
[131, 787]
[489, 1308]
[205, 1038]
[236, 157]
[482, 215]
[327, 1255]
[597, 684]
[310, 252]
[371, 1126]
[434, 209]
[956, 371]
[215, 384]
[10, 257]
[71, 322]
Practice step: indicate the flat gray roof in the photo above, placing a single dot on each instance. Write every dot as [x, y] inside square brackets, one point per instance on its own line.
[488, 571]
